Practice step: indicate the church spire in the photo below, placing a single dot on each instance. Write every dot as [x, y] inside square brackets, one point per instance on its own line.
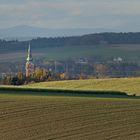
[29, 58]
[29, 63]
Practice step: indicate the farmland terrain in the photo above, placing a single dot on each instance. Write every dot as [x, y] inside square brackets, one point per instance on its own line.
[129, 85]
[96, 48]
[96, 53]
[129, 53]
[68, 118]
[102, 47]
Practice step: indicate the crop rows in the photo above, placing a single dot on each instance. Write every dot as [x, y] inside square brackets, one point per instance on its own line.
[68, 118]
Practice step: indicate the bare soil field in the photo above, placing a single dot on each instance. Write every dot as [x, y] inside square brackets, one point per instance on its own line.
[68, 118]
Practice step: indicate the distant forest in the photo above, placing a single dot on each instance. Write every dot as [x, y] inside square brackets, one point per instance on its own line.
[91, 39]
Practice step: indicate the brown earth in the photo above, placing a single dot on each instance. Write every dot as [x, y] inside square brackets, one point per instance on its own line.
[68, 118]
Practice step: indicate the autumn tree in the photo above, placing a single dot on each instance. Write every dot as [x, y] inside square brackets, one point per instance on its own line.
[100, 70]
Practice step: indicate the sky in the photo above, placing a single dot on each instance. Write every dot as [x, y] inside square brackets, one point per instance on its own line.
[106, 14]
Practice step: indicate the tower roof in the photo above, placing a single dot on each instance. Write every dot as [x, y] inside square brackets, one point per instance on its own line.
[29, 57]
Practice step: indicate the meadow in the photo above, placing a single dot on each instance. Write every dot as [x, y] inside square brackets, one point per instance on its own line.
[68, 118]
[129, 85]
[104, 52]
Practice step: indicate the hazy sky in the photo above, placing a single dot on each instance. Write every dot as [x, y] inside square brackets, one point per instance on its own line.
[71, 13]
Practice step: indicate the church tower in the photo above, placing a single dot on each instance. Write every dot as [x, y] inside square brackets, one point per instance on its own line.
[29, 63]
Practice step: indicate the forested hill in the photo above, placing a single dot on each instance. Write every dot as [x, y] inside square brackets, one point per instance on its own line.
[91, 39]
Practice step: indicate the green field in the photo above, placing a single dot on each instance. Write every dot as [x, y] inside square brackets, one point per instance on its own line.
[68, 118]
[128, 85]
[129, 52]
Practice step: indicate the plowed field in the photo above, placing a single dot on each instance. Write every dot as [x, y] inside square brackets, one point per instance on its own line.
[68, 118]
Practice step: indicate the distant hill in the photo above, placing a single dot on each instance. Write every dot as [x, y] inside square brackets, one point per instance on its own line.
[83, 40]
[100, 46]
[24, 32]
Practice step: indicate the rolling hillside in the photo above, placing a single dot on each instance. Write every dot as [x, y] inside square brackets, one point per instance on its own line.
[129, 53]
[95, 47]
[128, 85]
[102, 46]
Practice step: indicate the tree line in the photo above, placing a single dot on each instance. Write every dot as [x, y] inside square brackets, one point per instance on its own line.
[75, 71]
[39, 75]
[91, 39]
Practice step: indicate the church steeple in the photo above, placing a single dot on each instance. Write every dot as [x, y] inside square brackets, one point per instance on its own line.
[29, 58]
[29, 63]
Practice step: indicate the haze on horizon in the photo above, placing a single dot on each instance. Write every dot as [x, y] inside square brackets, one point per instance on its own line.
[122, 15]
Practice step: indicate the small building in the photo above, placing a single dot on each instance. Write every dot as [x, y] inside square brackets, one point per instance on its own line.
[119, 59]
[2, 75]
[29, 63]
